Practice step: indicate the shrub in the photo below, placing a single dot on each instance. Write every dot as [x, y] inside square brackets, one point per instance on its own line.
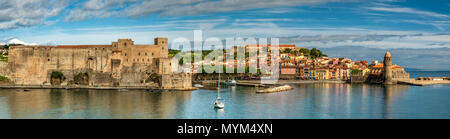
[356, 71]
[2, 78]
[80, 76]
[58, 75]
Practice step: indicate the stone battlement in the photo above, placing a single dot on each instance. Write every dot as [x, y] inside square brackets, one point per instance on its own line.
[120, 64]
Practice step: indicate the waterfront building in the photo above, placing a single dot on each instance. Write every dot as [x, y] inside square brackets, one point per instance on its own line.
[322, 74]
[288, 72]
[312, 73]
[365, 71]
[333, 74]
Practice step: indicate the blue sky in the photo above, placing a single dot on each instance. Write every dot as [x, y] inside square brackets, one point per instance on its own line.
[310, 23]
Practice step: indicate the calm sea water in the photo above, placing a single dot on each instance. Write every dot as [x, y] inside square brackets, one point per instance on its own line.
[305, 101]
[415, 74]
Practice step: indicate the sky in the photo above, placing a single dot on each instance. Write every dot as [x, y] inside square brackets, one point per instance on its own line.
[307, 23]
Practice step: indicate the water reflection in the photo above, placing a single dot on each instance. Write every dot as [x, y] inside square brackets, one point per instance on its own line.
[348, 100]
[305, 101]
[220, 113]
[92, 104]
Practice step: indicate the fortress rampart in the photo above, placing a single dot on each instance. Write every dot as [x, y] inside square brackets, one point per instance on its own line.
[120, 64]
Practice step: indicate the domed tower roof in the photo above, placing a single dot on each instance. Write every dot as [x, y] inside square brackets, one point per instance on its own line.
[387, 54]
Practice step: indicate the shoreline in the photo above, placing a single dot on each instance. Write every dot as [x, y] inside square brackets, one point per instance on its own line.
[254, 83]
[95, 88]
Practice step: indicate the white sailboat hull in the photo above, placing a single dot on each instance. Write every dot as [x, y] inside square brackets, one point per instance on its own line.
[219, 105]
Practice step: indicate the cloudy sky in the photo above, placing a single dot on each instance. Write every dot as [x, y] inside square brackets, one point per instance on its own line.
[382, 24]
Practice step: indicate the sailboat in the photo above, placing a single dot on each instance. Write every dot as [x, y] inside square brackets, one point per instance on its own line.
[219, 103]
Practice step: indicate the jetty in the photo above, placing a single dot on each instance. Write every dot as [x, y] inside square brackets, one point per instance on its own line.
[425, 81]
[250, 83]
[276, 89]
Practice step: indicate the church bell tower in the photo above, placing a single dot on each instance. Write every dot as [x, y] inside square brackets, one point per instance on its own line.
[387, 71]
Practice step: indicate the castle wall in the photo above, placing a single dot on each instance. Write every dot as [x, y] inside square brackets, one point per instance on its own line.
[120, 64]
[399, 74]
[3, 65]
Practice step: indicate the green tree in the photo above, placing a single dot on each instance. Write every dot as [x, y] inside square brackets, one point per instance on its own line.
[304, 51]
[356, 71]
[287, 50]
[173, 52]
[57, 75]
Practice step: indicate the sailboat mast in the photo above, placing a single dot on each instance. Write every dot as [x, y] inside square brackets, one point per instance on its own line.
[218, 87]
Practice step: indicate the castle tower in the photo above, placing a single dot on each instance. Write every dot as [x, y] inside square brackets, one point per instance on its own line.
[163, 44]
[387, 68]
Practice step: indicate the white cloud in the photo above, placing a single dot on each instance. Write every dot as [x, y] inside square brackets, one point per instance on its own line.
[98, 8]
[408, 11]
[25, 13]
[139, 8]
[266, 20]
[16, 41]
[310, 37]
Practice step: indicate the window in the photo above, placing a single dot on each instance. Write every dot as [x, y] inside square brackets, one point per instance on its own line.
[153, 54]
[139, 54]
[125, 54]
[145, 53]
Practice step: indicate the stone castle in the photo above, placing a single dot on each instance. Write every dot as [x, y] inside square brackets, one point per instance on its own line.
[121, 64]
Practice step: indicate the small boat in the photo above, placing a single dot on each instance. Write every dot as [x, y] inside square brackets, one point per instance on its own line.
[26, 90]
[230, 82]
[219, 103]
[198, 85]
